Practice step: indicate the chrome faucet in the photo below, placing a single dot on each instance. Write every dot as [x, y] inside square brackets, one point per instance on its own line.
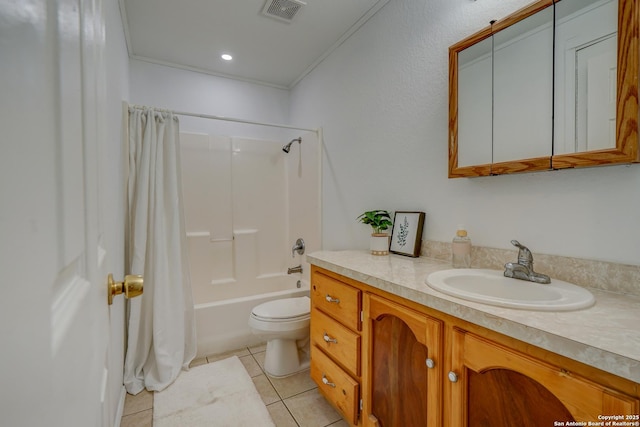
[523, 270]
[298, 247]
[297, 269]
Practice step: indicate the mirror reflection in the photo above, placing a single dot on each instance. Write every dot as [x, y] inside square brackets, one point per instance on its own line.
[552, 86]
[475, 91]
[523, 89]
[585, 75]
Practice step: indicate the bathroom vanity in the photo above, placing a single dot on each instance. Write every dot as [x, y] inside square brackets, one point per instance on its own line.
[387, 350]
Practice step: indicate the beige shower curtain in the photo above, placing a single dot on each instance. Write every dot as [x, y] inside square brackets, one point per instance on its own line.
[161, 327]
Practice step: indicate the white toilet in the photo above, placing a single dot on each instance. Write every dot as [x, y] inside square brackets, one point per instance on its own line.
[284, 324]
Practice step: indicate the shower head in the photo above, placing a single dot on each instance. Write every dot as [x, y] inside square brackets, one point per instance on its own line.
[287, 147]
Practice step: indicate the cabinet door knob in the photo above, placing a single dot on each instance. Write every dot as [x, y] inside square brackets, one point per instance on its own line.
[328, 339]
[453, 377]
[326, 381]
[430, 363]
[329, 298]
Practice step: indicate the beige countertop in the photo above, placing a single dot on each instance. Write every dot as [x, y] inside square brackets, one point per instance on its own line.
[606, 335]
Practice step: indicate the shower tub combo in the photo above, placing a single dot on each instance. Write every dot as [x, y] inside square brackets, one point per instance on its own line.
[246, 202]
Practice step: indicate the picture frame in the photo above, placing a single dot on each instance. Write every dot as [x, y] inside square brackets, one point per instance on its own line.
[406, 236]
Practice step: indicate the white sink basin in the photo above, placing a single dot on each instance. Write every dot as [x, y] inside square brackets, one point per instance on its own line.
[491, 287]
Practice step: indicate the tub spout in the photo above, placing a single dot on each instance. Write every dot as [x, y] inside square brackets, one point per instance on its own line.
[292, 270]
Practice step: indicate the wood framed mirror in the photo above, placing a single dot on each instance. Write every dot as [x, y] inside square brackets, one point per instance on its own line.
[513, 106]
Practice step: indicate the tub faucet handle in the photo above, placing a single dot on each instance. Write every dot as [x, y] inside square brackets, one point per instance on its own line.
[298, 247]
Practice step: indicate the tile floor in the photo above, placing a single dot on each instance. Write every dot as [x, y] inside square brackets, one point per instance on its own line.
[293, 401]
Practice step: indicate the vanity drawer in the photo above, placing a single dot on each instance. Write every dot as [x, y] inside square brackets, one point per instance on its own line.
[342, 344]
[337, 386]
[339, 300]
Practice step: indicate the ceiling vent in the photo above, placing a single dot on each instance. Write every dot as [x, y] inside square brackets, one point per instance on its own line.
[282, 10]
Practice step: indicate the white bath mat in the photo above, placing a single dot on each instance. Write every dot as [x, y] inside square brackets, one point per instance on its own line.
[217, 394]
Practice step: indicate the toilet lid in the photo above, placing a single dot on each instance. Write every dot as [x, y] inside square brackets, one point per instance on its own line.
[287, 308]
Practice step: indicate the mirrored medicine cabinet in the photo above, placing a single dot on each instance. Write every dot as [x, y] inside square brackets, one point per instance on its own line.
[552, 86]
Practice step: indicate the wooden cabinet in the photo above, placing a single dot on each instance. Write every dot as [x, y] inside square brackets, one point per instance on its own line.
[402, 361]
[495, 385]
[335, 341]
[562, 129]
[338, 387]
[334, 297]
[385, 361]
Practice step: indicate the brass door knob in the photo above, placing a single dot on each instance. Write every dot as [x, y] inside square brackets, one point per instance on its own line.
[132, 286]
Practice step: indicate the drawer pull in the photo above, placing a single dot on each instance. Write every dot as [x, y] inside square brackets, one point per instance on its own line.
[453, 377]
[430, 363]
[328, 339]
[326, 381]
[330, 299]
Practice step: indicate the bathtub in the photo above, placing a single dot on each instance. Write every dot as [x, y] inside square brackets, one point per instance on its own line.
[224, 325]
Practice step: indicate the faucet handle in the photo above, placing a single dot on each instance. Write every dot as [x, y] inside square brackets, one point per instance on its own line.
[517, 244]
[524, 254]
[298, 247]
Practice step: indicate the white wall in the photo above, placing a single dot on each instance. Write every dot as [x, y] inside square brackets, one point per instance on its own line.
[181, 90]
[382, 100]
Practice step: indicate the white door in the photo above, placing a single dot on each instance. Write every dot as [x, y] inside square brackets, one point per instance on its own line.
[601, 100]
[54, 319]
[596, 95]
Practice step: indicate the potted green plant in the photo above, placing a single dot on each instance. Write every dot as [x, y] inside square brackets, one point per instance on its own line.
[380, 221]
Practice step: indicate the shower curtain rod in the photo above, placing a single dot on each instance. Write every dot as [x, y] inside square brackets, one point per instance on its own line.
[226, 119]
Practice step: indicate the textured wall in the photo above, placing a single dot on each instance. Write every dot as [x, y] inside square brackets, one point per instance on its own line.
[181, 90]
[382, 100]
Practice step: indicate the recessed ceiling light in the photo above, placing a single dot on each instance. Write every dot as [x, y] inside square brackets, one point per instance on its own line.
[226, 57]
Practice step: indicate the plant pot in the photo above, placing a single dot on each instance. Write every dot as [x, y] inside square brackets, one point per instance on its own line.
[379, 244]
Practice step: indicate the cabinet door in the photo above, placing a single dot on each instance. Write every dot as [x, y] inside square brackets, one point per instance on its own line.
[494, 385]
[401, 365]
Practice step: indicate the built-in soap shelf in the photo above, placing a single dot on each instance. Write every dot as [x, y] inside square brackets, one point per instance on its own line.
[208, 234]
[245, 231]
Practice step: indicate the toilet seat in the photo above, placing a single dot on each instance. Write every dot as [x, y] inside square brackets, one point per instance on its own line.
[283, 310]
